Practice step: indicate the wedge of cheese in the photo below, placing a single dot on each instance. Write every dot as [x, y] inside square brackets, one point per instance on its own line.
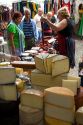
[54, 121]
[79, 115]
[41, 79]
[75, 78]
[7, 75]
[60, 96]
[44, 62]
[29, 115]
[8, 92]
[32, 98]
[70, 84]
[60, 65]
[61, 113]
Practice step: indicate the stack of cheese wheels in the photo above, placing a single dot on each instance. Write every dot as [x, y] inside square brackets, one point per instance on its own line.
[8, 96]
[31, 107]
[50, 70]
[42, 81]
[59, 106]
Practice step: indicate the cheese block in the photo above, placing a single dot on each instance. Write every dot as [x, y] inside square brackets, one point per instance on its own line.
[70, 84]
[46, 80]
[20, 85]
[7, 75]
[54, 121]
[60, 64]
[8, 92]
[19, 70]
[44, 62]
[75, 78]
[32, 98]
[60, 96]
[61, 113]
[79, 115]
[29, 115]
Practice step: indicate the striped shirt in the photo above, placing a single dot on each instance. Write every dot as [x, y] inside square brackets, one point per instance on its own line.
[28, 29]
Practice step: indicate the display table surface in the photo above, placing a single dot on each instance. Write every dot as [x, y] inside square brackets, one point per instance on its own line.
[28, 65]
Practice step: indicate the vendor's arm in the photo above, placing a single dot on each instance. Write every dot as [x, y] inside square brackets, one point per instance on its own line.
[9, 57]
[56, 27]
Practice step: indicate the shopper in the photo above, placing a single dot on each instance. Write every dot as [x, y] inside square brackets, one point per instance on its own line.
[64, 29]
[37, 19]
[29, 28]
[16, 41]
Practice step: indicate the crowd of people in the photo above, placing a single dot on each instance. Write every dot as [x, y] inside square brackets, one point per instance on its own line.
[24, 32]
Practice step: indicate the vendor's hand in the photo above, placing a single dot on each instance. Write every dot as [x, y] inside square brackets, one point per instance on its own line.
[43, 19]
[15, 58]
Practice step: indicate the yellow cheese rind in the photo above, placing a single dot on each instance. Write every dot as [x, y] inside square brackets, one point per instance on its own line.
[54, 121]
[8, 92]
[60, 96]
[29, 115]
[19, 70]
[79, 115]
[75, 78]
[41, 79]
[64, 114]
[43, 62]
[7, 75]
[70, 84]
[32, 98]
[60, 65]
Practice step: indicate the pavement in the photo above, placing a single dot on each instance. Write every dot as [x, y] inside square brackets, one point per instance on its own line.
[78, 55]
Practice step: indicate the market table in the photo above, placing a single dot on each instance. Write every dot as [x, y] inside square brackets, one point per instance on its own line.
[26, 65]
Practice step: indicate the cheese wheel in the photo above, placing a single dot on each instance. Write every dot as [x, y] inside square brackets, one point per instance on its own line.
[32, 98]
[59, 96]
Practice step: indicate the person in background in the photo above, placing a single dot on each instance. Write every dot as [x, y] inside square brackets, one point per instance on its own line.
[37, 19]
[29, 28]
[9, 57]
[16, 41]
[47, 30]
[64, 29]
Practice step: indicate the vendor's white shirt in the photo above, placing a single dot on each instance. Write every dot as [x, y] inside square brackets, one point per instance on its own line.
[37, 20]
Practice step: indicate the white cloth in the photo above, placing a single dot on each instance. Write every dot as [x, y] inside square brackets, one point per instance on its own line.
[37, 20]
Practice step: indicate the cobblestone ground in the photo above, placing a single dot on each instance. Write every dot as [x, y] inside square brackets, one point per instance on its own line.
[78, 55]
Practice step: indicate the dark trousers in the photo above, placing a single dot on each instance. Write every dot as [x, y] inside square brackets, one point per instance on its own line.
[29, 43]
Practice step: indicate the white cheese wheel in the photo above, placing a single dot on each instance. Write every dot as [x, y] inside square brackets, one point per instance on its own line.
[44, 62]
[75, 78]
[7, 75]
[41, 79]
[60, 65]
[32, 98]
[70, 84]
[57, 112]
[29, 115]
[59, 96]
[8, 92]
[79, 115]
